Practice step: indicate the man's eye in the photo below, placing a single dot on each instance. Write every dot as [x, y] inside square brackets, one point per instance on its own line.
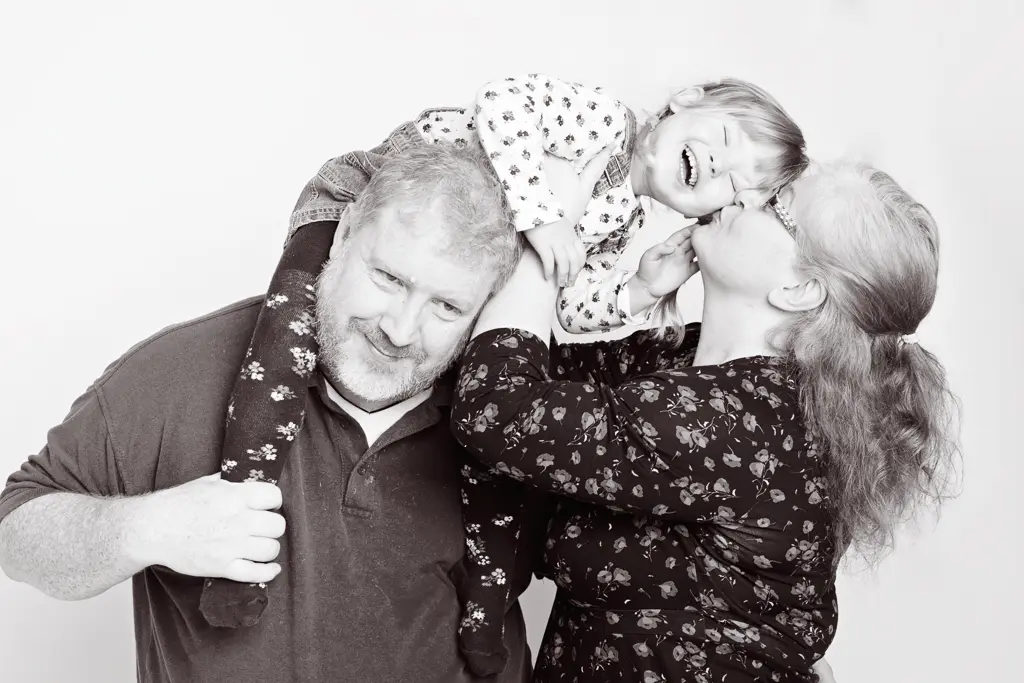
[387, 276]
[449, 309]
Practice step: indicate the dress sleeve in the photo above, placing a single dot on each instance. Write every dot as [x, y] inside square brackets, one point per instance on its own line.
[521, 118]
[598, 300]
[613, 361]
[671, 443]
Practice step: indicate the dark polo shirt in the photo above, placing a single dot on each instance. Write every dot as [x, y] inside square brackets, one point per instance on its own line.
[364, 594]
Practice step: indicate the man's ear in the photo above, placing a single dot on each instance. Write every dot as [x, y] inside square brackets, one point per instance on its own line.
[341, 232]
[685, 98]
[805, 296]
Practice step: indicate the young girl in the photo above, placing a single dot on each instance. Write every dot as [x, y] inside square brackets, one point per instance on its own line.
[707, 145]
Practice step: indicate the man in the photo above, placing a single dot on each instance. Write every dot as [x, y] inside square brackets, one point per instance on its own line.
[358, 578]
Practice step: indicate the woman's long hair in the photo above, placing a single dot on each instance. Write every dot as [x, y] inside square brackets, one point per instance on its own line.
[876, 401]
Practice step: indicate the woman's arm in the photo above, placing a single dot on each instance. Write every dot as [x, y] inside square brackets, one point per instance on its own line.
[673, 442]
[614, 361]
[526, 302]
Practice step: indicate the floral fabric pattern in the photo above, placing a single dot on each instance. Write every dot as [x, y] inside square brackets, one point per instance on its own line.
[265, 410]
[691, 540]
[520, 119]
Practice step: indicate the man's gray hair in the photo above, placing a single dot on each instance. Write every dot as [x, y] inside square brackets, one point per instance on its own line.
[459, 186]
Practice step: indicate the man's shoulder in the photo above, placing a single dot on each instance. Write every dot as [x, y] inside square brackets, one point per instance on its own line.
[203, 349]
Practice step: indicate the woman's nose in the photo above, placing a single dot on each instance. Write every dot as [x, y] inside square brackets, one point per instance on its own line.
[747, 199]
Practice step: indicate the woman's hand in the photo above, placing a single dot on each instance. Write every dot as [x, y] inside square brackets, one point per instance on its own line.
[559, 246]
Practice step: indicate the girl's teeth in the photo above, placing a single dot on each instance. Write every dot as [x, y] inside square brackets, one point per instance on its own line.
[692, 161]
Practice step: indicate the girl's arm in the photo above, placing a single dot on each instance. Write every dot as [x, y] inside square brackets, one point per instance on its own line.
[520, 119]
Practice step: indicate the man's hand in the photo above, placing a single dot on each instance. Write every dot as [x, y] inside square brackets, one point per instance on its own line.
[212, 528]
[667, 265]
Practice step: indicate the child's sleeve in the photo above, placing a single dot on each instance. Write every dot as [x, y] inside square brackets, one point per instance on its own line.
[503, 522]
[519, 119]
[598, 300]
[341, 179]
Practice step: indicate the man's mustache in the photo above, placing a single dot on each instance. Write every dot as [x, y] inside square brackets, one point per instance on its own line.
[383, 344]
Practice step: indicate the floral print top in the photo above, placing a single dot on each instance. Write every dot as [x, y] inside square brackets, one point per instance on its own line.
[519, 119]
[688, 526]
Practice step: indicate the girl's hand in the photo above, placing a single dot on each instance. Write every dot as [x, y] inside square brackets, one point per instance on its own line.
[667, 265]
[558, 244]
[560, 249]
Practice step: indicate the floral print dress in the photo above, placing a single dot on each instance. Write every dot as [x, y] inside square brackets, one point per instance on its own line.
[690, 536]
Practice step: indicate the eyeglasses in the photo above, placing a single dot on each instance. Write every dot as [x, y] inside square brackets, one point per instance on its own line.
[783, 213]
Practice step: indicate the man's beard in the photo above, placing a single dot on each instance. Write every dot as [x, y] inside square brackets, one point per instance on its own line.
[357, 371]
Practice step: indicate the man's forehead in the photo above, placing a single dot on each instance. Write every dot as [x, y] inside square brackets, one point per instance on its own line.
[394, 227]
[427, 257]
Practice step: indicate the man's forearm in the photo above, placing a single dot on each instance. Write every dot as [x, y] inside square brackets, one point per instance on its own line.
[71, 546]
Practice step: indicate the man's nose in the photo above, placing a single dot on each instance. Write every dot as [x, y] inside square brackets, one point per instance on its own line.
[401, 322]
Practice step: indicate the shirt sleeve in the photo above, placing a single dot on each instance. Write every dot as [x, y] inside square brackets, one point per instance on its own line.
[669, 443]
[340, 180]
[598, 300]
[519, 119]
[78, 457]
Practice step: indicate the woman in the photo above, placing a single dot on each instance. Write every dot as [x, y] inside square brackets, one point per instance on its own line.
[709, 485]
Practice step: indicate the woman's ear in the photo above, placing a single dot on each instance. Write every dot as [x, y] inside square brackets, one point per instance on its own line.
[685, 98]
[805, 296]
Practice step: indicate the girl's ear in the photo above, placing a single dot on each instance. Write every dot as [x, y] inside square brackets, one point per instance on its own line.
[685, 98]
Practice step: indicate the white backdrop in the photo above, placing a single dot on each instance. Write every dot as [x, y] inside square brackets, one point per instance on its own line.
[150, 156]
